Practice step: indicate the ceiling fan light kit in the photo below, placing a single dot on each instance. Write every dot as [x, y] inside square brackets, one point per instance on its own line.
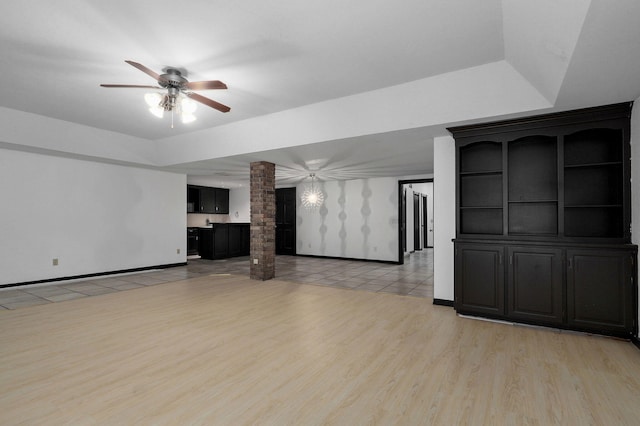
[159, 103]
[179, 97]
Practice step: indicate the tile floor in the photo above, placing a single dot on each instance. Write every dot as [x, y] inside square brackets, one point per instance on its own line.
[414, 278]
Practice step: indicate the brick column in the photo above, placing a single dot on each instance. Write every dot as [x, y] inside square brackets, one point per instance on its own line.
[263, 220]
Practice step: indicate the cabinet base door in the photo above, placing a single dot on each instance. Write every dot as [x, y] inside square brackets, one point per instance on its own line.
[479, 279]
[534, 288]
[600, 290]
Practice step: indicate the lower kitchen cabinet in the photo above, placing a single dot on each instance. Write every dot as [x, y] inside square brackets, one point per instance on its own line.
[238, 239]
[573, 287]
[224, 240]
[220, 241]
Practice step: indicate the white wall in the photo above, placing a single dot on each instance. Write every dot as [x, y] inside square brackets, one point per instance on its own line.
[359, 219]
[635, 177]
[444, 216]
[49, 134]
[93, 217]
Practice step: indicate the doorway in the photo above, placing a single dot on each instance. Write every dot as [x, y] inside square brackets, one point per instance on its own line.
[415, 224]
[286, 221]
[417, 244]
[426, 229]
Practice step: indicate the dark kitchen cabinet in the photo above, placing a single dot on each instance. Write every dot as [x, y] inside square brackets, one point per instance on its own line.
[550, 192]
[214, 241]
[220, 241]
[222, 201]
[224, 240]
[193, 199]
[207, 200]
[204, 199]
[238, 239]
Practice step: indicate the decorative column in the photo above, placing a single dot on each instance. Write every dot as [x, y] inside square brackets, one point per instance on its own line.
[263, 220]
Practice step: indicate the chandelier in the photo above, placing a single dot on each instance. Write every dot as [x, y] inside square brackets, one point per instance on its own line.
[312, 197]
[172, 101]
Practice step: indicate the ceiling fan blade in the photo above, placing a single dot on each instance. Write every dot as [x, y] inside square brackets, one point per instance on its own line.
[145, 70]
[135, 86]
[208, 102]
[206, 85]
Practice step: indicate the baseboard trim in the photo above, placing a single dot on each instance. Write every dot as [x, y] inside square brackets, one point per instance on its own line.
[388, 262]
[97, 274]
[635, 341]
[443, 302]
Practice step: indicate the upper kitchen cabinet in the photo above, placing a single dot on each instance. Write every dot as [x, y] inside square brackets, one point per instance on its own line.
[193, 199]
[222, 201]
[204, 199]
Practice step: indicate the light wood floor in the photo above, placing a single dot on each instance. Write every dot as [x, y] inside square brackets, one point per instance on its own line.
[230, 351]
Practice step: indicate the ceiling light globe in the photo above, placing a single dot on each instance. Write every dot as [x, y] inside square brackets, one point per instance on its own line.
[188, 118]
[157, 110]
[188, 106]
[153, 99]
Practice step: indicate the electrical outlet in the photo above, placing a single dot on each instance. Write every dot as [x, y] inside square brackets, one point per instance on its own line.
[55, 261]
[177, 251]
[255, 261]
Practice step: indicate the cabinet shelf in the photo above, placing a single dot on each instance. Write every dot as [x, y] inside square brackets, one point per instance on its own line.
[481, 208]
[589, 165]
[531, 201]
[482, 173]
[593, 206]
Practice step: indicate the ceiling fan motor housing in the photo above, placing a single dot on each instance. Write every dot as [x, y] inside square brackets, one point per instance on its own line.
[172, 78]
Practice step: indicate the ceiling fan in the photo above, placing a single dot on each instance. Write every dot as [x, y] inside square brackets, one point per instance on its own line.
[176, 84]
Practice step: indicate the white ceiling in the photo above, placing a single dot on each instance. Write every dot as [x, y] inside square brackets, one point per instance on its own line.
[345, 70]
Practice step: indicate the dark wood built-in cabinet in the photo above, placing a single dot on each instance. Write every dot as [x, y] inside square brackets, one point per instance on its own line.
[543, 221]
[204, 199]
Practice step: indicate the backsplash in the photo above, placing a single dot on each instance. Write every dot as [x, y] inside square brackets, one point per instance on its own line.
[200, 219]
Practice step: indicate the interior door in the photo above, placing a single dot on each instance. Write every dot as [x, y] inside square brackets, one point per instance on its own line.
[286, 221]
[403, 226]
[416, 222]
[425, 223]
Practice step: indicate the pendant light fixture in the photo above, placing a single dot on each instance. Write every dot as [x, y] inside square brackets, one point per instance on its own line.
[312, 197]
